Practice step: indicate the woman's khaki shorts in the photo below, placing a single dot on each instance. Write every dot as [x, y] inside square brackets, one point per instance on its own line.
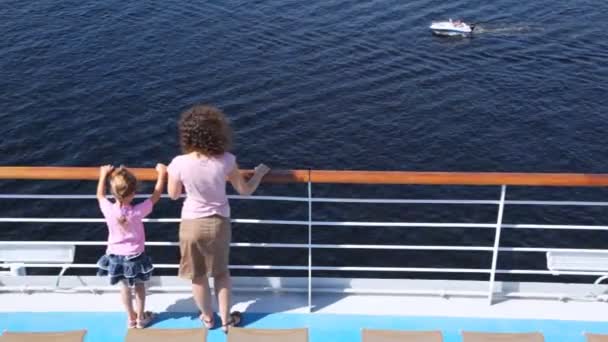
[204, 247]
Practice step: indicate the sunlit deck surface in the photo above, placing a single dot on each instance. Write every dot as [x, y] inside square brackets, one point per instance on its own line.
[335, 317]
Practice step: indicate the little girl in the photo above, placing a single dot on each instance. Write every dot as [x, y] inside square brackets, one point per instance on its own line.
[125, 260]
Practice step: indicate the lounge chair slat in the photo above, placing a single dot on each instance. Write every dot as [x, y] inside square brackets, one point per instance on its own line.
[469, 336]
[59, 336]
[267, 335]
[596, 338]
[372, 335]
[166, 335]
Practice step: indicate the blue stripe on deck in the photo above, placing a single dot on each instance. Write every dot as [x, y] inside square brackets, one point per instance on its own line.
[106, 327]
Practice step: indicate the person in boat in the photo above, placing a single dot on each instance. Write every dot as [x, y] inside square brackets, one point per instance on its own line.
[204, 231]
[125, 260]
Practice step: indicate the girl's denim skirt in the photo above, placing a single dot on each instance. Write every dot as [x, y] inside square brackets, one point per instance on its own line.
[132, 269]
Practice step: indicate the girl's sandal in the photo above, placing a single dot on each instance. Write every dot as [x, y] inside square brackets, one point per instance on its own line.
[235, 320]
[142, 323]
[131, 323]
[208, 323]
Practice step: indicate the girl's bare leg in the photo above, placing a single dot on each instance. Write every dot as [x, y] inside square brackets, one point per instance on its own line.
[140, 300]
[127, 300]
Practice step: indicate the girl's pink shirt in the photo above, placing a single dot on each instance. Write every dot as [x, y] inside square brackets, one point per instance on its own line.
[129, 239]
[204, 179]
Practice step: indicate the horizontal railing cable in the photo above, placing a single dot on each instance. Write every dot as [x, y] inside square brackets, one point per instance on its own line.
[340, 200]
[324, 246]
[347, 269]
[322, 223]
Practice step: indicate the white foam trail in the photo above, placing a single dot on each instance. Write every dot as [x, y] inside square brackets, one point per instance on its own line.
[506, 29]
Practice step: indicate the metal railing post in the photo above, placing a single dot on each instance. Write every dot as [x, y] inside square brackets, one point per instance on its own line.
[309, 243]
[501, 207]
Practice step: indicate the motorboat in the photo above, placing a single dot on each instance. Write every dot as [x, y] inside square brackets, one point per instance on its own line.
[452, 28]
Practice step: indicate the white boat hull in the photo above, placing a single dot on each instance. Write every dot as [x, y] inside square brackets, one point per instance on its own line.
[450, 33]
[451, 28]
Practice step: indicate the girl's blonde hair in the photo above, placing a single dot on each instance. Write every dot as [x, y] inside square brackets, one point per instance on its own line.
[122, 185]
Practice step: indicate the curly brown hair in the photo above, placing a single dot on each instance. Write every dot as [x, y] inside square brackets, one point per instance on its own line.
[204, 129]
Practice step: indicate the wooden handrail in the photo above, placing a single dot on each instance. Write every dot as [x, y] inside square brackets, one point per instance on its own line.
[340, 177]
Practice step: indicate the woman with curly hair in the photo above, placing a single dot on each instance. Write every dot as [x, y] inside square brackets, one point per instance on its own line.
[204, 232]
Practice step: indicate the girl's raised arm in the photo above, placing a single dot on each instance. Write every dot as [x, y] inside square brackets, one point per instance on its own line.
[104, 171]
[161, 171]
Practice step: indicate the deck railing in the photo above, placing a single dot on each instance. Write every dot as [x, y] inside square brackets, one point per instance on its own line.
[310, 177]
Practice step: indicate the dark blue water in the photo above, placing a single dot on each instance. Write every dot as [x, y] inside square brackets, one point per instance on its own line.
[319, 84]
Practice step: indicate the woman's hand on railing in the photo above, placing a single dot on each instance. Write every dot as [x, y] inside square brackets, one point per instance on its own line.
[244, 187]
[262, 170]
[161, 170]
[259, 172]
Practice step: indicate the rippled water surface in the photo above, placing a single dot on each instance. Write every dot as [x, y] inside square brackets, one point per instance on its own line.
[319, 84]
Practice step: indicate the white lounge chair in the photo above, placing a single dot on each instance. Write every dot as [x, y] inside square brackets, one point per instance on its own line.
[559, 261]
[13, 257]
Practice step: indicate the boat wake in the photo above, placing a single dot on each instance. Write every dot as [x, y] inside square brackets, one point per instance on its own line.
[458, 28]
[504, 30]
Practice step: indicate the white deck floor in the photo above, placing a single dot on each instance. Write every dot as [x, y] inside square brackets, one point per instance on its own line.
[324, 303]
[332, 303]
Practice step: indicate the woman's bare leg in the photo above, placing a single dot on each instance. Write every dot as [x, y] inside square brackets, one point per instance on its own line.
[202, 297]
[223, 288]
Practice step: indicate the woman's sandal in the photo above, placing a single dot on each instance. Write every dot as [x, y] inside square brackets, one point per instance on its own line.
[131, 323]
[235, 320]
[209, 323]
[142, 323]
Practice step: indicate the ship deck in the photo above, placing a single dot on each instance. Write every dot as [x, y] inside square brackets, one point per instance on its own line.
[333, 309]
[334, 317]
